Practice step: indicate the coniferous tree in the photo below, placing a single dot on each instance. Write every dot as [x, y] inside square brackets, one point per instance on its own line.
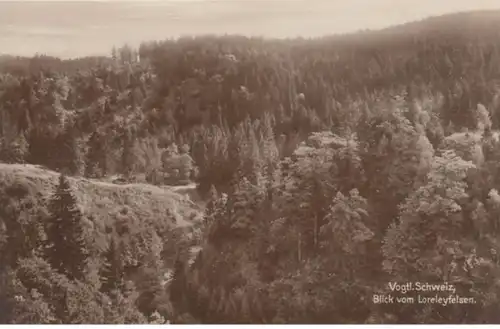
[96, 159]
[253, 164]
[178, 285]
[112, 272]
[244, 203]
[129, 154]
[235, 149]
[269, 149]
[211, 207]
[76, 160]
[71, 157]
[66, 249]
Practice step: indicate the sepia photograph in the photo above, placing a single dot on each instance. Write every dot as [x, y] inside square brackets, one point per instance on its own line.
[250, 162]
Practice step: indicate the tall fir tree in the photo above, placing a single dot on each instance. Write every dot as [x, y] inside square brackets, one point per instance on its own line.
[253, 164]
[234, 159]
[269, 150]
[96, 159]
[211, 207]
[66, 250]
[112, 272]
[71, 159]
[129, 154]
[178, 285]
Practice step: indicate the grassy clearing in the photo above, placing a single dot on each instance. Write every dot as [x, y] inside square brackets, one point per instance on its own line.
[100, 200]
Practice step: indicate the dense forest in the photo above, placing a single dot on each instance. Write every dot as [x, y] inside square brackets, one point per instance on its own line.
[226, 179]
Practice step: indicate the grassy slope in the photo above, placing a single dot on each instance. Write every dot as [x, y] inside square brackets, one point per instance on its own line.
[101, 200]
[104, 203]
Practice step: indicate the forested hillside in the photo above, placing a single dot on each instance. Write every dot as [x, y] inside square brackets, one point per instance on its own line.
[326, 169]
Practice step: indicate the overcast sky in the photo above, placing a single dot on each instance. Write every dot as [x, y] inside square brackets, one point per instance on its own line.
[77, 28]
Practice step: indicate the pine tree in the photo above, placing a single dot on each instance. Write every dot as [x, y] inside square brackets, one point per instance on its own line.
[217, 221]
[244, 204]
[211, 208]
[346, 221]
[129, 155]
[112, 273]
[96, 159]
[235, 148]
[76, 161]
[66, 249]
[178, 286]
[269, 151]
[71, 158]
[252, 166]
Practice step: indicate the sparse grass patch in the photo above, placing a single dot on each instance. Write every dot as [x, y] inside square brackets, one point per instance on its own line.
[100, 201]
